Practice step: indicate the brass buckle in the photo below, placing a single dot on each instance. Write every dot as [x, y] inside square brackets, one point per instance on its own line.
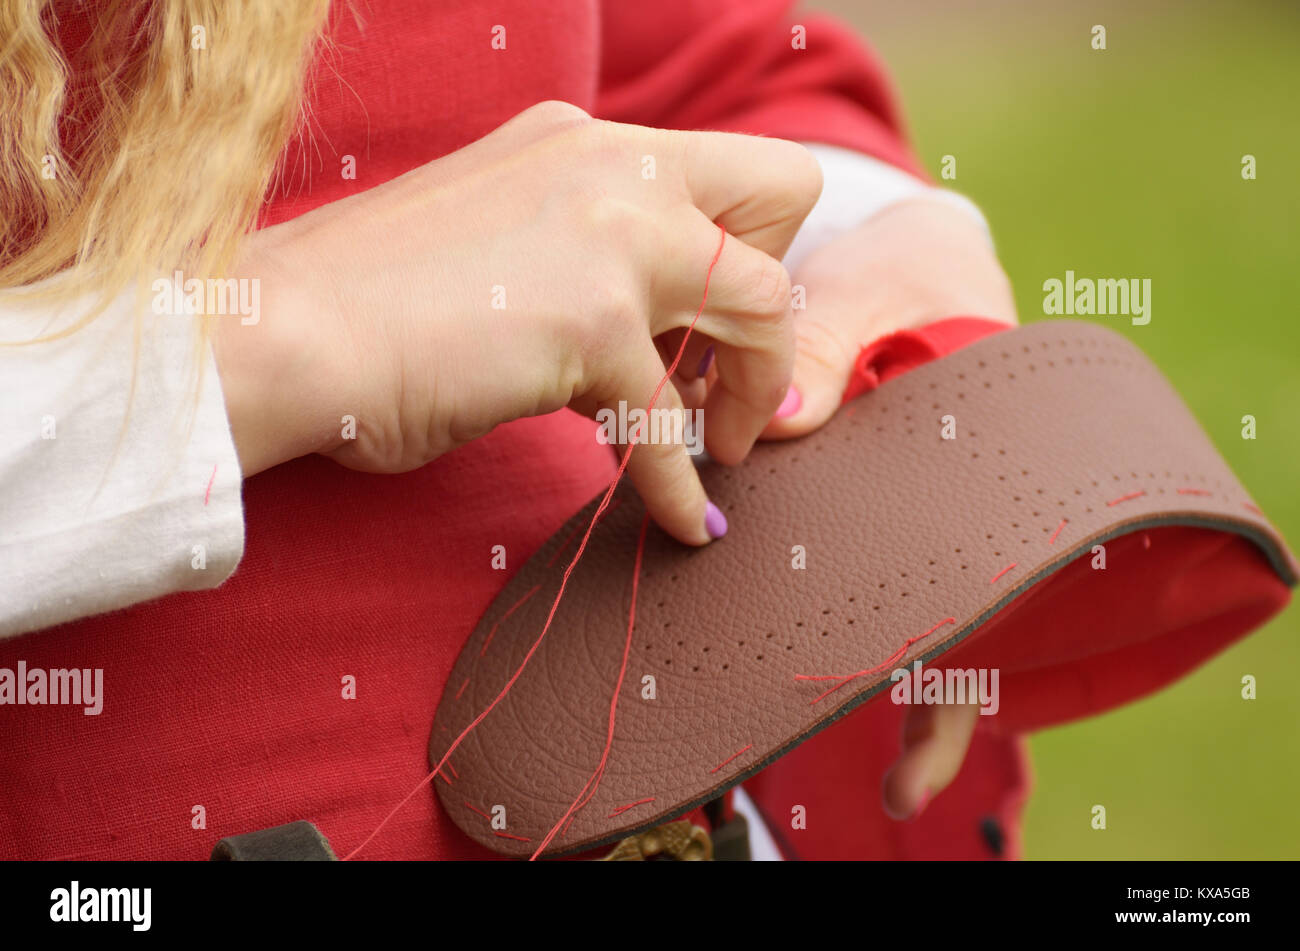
[680, 841]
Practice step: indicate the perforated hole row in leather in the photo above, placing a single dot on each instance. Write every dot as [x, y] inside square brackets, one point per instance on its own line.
[729, 658]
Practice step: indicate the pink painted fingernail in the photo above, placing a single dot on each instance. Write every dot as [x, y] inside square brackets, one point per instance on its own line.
[715, 523]
[706, 361]
[920, 806]
[790, 405]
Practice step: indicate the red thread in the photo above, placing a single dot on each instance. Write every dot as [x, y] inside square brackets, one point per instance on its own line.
[212, 478]
[565, 830]
[622, 809]
[507, 835]
[594, 781]
[462, 688]
[1194, 492]
[559, 551]
[443, 777]
[846, 678]
[513, 608]
[479, 811]
[731, 757]
[582, 547]
[1124, 498]
[1253, 508]
[1052, 540]
[573, 534]
[994, 579]
[453, 770]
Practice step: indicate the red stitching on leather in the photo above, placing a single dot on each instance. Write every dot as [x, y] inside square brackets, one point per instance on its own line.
[507, 835]
[574, 534]
[212, 478]
[559, 551]
[512, 610]
[1194, 492]
[1052, 540]
[461, 691]
[731, 757]
[479, 811]
[994, 579]
[1124, 498]
[565, 830]
[622, 809]
[846, 678]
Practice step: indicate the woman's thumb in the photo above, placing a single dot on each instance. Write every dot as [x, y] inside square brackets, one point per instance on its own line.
[822, 366]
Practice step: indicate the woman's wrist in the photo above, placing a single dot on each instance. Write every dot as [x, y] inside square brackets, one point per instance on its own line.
[269, 368]
[915, 262]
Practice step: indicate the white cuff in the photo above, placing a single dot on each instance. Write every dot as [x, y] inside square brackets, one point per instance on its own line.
[104, 504]
[857, 187]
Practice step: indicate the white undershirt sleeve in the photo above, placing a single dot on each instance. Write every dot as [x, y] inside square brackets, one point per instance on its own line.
[855, 188]
[108, 497]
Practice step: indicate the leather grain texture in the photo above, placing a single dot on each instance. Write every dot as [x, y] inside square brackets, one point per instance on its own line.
[1065, 436]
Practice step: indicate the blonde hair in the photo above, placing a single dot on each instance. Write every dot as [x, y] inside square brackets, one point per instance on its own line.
[183, 108]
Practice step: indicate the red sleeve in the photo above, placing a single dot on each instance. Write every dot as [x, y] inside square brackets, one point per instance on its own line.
[894, 354]
[734, 66]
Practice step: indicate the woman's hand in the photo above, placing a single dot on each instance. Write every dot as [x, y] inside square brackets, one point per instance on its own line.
[914, 263]
[529, 271]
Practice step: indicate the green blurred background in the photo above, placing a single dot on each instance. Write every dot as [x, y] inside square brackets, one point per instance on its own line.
[1127, 163]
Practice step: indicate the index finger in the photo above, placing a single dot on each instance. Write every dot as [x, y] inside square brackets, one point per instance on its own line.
[759, 189]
